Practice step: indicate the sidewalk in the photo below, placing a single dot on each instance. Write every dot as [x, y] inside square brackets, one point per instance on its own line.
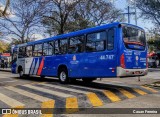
[5, 69]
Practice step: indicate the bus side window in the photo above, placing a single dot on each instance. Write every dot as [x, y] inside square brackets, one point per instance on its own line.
[96, 41]
[56, 47]
[22, 52]
[48, 48]
[37, 50]
[63, 46]
[76, 45]
[110, 41]
[29, 51]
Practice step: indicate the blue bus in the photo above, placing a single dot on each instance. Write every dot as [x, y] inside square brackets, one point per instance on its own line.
[112, 50]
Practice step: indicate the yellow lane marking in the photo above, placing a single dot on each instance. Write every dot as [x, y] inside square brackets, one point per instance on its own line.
[127, 93]
[65, 88]
[150, 89]
[71, 104]
[139, 91]
[13, 115]
[93, 98]
[9, 101]
[50, 105]
[113, 97]
[57, 93]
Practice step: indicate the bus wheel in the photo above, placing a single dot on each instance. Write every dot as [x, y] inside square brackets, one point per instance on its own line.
[21, 74]
[88, 80]
[63, 76]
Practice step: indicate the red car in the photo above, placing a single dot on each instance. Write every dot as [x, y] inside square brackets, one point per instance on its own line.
[153, 60]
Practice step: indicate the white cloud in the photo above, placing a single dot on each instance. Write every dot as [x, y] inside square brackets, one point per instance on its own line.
[37, 36]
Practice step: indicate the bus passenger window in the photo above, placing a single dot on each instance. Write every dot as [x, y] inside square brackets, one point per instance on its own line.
[63, 46]
[56, 45]
[22, 52]
[48, 48]
[29, 51]
[76, 45]
[110, 42]
[37, 50]
[96, 42]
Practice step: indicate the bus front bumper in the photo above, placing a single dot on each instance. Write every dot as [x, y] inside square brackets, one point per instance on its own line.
[121, 72]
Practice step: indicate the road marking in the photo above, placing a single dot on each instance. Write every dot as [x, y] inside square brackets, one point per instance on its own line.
[127, 93]
[8, 81]
[65, 88]
[113, 97]
[93, 98]
[28, 94]
[150, 89]
[64, 95]
[48, 104]
[71, 104]
[139, 91]
[9, 101]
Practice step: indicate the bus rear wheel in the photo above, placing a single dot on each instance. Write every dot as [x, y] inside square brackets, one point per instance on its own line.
[88, 80]
[63, 76]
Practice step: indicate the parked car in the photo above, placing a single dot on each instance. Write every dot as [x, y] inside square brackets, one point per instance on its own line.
[153, 60]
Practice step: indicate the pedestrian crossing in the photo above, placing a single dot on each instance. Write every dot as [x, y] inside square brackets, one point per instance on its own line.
[48, 94]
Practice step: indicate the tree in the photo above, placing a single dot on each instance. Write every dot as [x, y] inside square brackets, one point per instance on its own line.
[79, 14]
[150, 10]
[26, 20]
[3, 46]
[3, 12]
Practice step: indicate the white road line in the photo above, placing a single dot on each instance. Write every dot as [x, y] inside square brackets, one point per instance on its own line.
[48, 91]
[28, 94]
[9, 101]
[65, 88]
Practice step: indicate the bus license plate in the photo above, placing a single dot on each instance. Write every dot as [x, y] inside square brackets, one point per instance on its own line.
[137, 72]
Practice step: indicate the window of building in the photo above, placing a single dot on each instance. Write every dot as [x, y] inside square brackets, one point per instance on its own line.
[37, 50]
[96, 41]
[76, 45]
[110, 42]
[48, 48]
[29, 51]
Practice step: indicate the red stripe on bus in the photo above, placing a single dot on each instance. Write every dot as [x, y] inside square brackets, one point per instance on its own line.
[40, 67]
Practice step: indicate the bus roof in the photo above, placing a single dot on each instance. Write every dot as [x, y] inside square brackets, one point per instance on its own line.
[77, 33]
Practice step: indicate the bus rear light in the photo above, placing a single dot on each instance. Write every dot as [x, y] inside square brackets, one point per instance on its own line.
[122, 61]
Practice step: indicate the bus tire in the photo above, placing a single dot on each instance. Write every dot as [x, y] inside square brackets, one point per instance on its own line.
[63, 76]
[88, 80]
[21, 73]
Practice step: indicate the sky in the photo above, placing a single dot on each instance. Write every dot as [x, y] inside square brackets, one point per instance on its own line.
[123, 4]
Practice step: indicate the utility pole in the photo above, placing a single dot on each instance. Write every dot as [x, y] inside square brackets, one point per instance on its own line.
[135, 12]
[129, 13]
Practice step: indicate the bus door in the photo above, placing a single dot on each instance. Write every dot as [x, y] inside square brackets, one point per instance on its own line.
[21, 58]
[100, 57]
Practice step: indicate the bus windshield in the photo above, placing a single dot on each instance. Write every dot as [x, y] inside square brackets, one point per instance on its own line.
[133, 36]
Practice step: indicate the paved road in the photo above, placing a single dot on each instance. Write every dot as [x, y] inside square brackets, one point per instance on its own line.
[35, 92]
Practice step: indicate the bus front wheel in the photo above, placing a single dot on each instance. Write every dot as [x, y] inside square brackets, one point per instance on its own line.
[21, 74]
[63, 76]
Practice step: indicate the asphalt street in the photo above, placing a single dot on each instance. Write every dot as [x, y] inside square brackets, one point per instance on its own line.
[35, 92]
